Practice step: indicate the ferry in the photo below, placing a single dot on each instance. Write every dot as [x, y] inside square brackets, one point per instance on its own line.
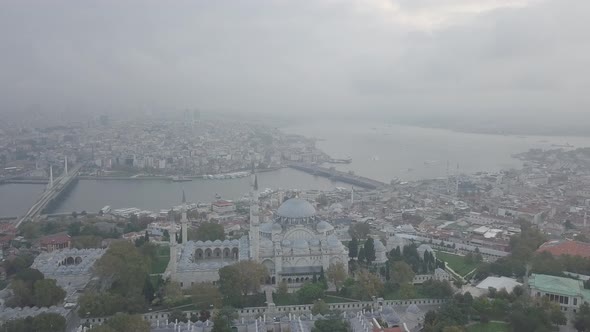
[347, 160]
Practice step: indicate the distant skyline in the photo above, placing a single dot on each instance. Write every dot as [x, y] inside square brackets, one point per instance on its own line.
[382, 58]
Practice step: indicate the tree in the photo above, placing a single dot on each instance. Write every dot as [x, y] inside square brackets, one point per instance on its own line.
[148, 290]
[582, 318]
[49, 322]
[437, 289]
[205, 295]
[21, 262]
[74, 228]
[47, 293]
[177, 315]
[401, 272]
[320, 307]
[362, 256]
[370, 250]
[353, 248]
[369, 285]
[209, 231]
[240, 279]
[407, 291]
[395, 254]
[283, 288]
[337, 274]
[310, 292]
[22, 294]
[94, 304]
[45, 322]
[359, 230]
[29, 276]
[172, 293]
[124, 323]
[124, 264]
[330, 325]
[221, 324]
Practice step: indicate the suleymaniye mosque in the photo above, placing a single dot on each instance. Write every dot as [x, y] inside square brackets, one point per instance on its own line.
[296, 245]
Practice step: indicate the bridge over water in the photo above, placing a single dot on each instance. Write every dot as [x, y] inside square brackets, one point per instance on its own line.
[334, 174]
[60, 184]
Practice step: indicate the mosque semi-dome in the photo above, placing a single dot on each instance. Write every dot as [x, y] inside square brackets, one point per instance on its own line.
[296, 208]
[323, 226]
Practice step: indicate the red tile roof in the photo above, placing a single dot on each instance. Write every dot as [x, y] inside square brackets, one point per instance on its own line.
[566, 247]
[55, 238]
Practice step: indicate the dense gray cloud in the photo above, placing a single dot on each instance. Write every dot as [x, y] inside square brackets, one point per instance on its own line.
[382, 56]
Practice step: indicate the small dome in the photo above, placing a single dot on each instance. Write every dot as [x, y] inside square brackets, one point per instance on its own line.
[277, 227]
[314, 242]
[300, 244]
[413, 309]
[323, 226]
[266, 227]
[333, 241]
[296, 208]
[379, 246]
[266, 243]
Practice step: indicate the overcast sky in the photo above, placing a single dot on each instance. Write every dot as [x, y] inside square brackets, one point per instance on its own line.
[382, 56]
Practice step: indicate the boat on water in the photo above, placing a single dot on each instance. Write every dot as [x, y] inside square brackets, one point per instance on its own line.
[180, 179]
[347, 160]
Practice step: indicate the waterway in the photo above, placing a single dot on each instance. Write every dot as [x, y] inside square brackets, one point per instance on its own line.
[17, 199]
[380, 151]
[385, 151]
[153, 195]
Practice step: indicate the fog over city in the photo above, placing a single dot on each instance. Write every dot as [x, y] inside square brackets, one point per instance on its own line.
[307, 165]
[395, 58]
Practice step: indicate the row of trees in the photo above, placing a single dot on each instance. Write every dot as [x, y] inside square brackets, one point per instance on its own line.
[366, 253]
[523, 313]
[45, 322]
[124, 271]
[30, 289]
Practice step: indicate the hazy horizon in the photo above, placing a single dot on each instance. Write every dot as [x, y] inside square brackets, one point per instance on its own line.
[402, 59]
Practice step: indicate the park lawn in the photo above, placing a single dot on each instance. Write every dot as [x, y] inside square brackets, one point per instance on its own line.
[335, 299]
[489, 327]
[457, 263]
[397, 296]
[286, 299]
[161, 262]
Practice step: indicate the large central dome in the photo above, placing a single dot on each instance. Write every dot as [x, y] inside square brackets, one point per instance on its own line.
[296, 208]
